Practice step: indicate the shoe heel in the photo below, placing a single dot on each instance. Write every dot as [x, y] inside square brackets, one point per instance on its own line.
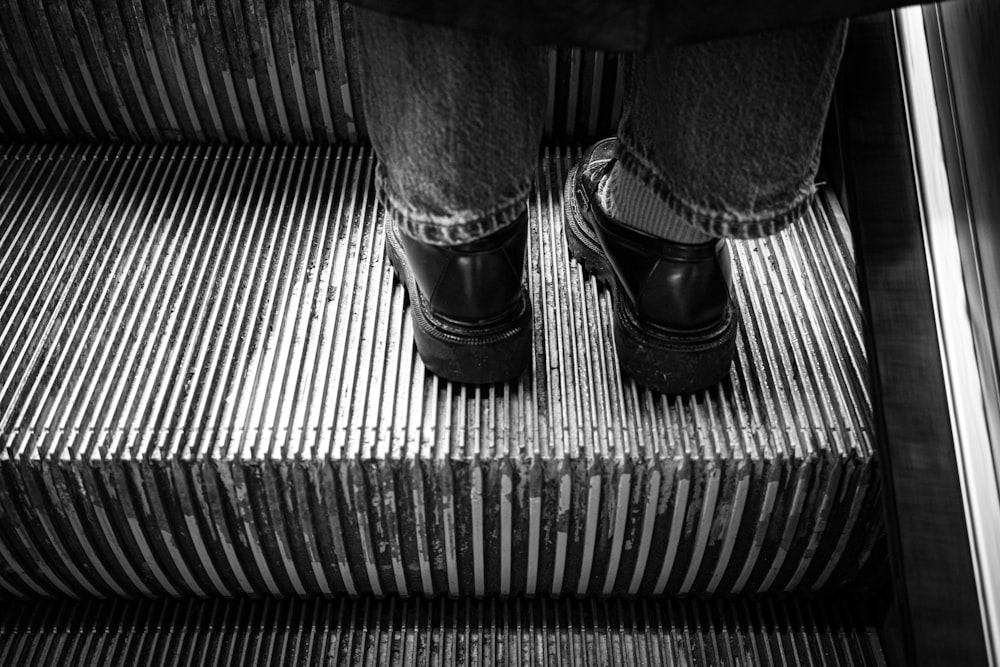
[472, 355]
[674, 365]
[582, 244]
[472, 360]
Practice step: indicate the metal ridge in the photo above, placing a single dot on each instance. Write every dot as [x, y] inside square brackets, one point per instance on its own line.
[209, 387]
[418, 632]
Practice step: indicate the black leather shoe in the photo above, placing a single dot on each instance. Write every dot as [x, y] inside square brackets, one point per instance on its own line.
[471, 312]
[675, 320]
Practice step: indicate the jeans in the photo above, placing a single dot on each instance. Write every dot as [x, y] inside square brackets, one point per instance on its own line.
[726, 133]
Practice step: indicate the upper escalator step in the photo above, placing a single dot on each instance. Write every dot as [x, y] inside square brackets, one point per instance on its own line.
[240, 73]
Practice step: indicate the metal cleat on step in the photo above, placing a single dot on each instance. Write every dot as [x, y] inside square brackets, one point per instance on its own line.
[208, 387]
[443, 632]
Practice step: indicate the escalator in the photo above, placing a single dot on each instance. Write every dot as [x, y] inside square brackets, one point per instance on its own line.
[218, 445]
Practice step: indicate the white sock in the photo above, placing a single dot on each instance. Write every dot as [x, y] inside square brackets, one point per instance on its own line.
[625, 199]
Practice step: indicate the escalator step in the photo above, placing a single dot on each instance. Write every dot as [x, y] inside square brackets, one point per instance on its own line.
[208, 387]
[277, 73]
[418, 632]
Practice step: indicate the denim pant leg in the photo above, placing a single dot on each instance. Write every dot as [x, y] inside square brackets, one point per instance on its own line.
[728, 132]
[455, 119]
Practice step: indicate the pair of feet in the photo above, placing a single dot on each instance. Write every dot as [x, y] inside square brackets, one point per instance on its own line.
[674, 319]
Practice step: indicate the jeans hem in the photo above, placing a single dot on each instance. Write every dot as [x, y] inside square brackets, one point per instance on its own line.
[723, 224]
[454, 228]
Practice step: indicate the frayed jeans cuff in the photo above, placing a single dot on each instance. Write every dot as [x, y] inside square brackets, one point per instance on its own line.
[722, 224]
[455, 228]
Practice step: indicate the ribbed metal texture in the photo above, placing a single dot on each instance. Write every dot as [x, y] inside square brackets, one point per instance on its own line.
[208, 386]
[443, 633]
[271, 71]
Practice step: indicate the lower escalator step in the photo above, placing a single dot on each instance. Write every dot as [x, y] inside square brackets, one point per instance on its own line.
[446, 633]
[208, 387]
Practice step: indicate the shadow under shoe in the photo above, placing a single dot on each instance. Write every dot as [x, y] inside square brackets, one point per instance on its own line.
[675, 321]
[470, 310]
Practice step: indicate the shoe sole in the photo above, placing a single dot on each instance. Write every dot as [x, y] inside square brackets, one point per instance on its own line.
[669, 363]
[469, 354]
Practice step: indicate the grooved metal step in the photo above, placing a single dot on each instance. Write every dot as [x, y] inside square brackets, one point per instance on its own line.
[208, 387]
[265, 71]
[394, 632]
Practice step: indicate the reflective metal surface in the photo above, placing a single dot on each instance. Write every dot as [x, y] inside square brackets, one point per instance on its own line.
[962, 56]
[933, 546]
[441, 633]
[208, 386]
[958, 346]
